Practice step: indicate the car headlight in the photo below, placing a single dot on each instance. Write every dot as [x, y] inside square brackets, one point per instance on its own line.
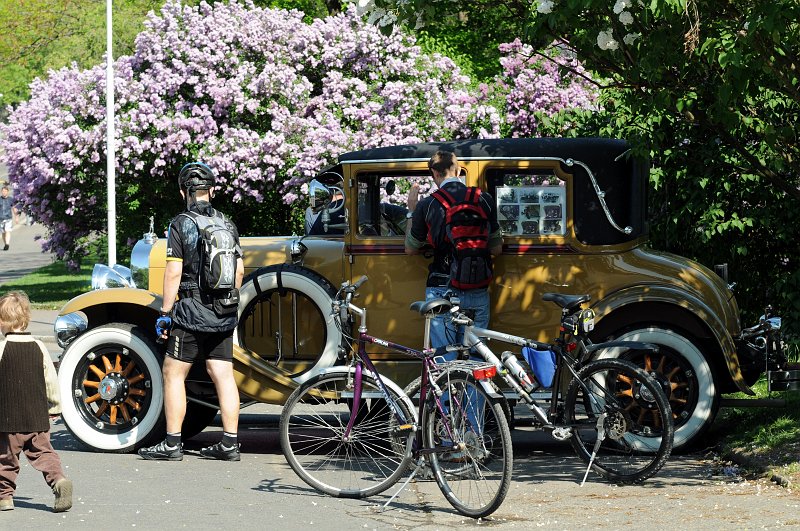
[69, 326]
[140, 259]
[111, 277]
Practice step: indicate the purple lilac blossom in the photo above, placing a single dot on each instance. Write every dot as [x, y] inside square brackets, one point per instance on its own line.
[264, 98]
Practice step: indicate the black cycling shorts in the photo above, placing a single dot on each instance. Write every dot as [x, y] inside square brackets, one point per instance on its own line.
[188, 345]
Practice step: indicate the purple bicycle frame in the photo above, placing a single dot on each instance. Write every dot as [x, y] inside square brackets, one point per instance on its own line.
[427, 362]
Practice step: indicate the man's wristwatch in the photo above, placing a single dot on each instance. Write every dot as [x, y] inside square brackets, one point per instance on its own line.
[164, 313]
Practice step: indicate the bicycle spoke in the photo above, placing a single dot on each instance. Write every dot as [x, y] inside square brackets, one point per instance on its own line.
[636, 426]
[474, 475]
[365, 460]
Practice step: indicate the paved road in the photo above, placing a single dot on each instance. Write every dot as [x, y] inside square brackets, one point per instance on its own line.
[25, 253]
[26, 256]
[261, 492]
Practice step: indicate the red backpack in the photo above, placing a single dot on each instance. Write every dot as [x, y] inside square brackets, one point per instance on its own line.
[467, 230]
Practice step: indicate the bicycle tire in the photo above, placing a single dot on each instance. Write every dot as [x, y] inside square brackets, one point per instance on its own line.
[474, 480]
[312, 426]
[639, 427]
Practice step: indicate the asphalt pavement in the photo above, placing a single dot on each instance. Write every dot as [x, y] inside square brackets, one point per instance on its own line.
[261, 492]
[25, 256]
[121, 491]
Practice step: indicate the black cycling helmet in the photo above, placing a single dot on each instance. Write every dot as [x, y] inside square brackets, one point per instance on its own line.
[195, 176]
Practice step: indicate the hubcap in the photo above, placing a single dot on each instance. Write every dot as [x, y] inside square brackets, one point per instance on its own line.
[676, 380]
[114, 388]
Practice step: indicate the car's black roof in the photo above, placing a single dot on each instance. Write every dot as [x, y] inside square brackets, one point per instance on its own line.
[595, 149]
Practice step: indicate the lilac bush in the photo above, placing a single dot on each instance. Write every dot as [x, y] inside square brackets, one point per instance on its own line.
[539, 86]
[264, 98]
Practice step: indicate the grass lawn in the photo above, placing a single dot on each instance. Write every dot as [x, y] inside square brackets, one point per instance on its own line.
[51, 286]
[768, 437]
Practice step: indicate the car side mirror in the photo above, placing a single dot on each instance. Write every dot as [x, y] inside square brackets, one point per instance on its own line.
[319, 195]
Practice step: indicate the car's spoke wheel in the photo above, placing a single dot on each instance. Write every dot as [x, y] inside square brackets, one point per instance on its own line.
[684, 374]
[111, 388]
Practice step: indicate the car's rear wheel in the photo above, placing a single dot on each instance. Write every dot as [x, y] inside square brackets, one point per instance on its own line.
[112, 393]
[684, 374]
[285, 316]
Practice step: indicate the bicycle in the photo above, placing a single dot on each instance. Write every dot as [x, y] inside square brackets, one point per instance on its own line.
[350, 432]
[616, 415]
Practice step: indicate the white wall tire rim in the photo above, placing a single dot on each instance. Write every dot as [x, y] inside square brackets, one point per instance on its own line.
[686, 430]
[75, 419]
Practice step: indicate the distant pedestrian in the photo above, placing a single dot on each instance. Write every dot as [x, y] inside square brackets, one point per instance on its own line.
[28, 395]
[7, 214]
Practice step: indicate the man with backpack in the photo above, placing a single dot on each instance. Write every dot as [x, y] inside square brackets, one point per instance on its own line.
[460, 224]
[204, 271]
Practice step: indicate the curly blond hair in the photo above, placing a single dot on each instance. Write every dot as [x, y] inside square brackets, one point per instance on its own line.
[15, 311]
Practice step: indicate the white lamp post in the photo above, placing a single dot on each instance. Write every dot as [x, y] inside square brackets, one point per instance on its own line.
[110, 148]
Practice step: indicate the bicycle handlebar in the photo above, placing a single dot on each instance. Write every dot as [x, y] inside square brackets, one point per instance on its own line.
[341, 302]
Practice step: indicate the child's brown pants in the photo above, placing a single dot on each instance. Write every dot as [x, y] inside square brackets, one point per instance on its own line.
[39, 452]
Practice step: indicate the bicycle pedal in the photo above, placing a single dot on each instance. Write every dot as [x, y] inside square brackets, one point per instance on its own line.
[405, 428]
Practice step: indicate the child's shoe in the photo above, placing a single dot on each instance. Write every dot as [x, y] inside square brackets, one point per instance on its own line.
[63, 491]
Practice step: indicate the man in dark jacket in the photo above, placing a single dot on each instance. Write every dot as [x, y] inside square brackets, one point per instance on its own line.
[193, 326]
[428, 227]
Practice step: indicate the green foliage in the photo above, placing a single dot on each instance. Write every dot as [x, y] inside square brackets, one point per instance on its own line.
[762, 429]
[268, 217]
[39, 35]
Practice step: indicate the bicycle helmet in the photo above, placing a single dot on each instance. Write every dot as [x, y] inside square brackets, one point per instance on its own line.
[195, 176]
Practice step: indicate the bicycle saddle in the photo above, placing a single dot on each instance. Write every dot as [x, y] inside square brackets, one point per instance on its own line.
[434, 306]
[566, 301]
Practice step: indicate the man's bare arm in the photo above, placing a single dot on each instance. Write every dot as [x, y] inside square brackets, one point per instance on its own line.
[172, 281]
[239, 273]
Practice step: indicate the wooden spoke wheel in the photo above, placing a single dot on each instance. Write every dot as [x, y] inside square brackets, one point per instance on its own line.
[115, 388]
[683, 373]
[112, 391]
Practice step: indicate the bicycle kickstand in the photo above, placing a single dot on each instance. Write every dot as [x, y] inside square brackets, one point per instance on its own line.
[420, 465]
[601, 434]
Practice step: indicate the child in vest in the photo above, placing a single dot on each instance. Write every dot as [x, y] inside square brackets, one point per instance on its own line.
[28, 395]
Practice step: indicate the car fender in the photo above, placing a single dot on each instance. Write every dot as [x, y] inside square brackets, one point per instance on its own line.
[137, 297]
[682, 299]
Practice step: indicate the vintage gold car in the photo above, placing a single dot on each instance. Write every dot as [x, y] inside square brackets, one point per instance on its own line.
[573, 214]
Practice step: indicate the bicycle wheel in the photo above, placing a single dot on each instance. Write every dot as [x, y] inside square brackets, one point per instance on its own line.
[369, 460]
[475, 475]
[638, 430]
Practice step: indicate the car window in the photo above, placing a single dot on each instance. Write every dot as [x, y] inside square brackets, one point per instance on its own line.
[382, 199]
[529, 203]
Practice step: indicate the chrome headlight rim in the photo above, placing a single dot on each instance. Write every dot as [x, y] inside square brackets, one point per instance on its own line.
[111, 277]
[69, 326]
